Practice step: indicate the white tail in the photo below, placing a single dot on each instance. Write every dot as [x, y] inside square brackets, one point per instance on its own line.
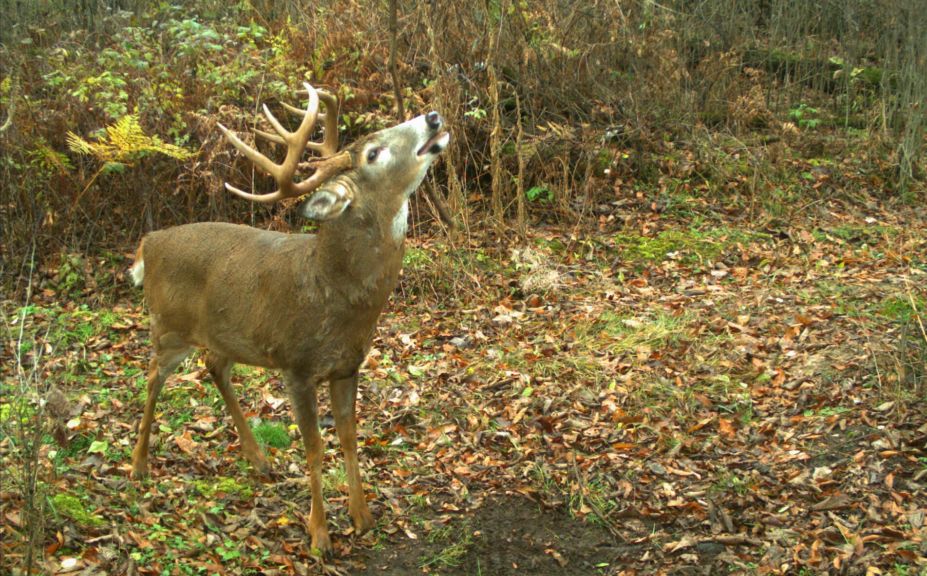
[306, 304]
[137, 272]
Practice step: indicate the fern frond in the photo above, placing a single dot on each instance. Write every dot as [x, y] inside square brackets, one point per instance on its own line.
[124, 142]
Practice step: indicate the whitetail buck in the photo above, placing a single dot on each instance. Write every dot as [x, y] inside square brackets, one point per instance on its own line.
[306, 304]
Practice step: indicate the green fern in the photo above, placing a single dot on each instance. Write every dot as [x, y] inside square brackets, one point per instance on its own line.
[125, 142]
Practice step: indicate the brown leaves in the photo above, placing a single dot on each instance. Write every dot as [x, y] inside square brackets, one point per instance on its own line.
[721, 411]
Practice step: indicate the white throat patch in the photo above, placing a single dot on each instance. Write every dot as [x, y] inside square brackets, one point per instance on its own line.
[401, 222]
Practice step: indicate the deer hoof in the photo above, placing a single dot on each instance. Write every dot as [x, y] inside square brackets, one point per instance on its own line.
[322, 543]
[139, 469]
[363, 521]
[261, 466]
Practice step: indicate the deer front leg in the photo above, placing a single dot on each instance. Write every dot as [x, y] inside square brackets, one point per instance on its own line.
[305, 409]
[221, 370]
[344, 398]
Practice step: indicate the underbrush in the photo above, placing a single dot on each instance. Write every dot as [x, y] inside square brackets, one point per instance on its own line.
[568, 126]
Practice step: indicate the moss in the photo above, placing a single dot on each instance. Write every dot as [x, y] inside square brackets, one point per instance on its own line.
[693, 245]
[71, 507]
[223, 485]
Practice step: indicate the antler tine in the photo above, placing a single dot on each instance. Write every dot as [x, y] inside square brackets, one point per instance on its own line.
[314, 146]
[268, 136]
[329, 145]
[273, 197]
[278, 127]
[294, 109]
[261, 161]
[296, 142]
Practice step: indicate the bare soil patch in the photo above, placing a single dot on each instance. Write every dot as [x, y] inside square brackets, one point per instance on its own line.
[508, 534]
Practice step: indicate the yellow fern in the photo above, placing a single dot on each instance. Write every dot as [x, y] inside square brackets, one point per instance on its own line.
[125, 142]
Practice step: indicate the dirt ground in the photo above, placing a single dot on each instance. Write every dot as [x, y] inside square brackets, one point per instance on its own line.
[508, 534]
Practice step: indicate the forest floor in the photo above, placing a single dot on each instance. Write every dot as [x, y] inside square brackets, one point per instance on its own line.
[681, 394]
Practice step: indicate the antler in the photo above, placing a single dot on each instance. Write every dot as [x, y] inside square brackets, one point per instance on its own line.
[296, 142]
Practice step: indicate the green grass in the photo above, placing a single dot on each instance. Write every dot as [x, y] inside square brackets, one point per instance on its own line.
[903, 308]
[223, 485]
[597, 495]
[272, 434]
[334, 477]
[728, 482]
[845, 298]
[856, 234]
[691, 246]
[416, 259]
[452, 555]
[625, 333]
[826, 411]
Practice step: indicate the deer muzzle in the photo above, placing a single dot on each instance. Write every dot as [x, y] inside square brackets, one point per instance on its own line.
[438, 139]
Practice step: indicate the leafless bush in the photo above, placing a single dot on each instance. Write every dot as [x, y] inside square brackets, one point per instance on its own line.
[29, 402]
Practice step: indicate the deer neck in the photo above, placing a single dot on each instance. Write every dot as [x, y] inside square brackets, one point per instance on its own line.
[361, 258]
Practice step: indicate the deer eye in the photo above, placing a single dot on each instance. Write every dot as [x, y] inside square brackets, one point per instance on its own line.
[372, 154]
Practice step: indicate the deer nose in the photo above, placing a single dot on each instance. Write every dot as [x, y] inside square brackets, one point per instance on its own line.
[433, 119]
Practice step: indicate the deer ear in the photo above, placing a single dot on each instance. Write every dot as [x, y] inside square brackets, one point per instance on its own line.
[327, 202]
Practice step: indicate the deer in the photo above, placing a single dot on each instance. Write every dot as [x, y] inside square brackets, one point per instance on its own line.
[304, 304]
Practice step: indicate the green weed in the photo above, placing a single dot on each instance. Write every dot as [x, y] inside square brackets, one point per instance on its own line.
[272, 434]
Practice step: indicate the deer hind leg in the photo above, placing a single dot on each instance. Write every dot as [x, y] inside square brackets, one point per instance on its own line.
[305, 409]
[344, 397]
[221, 369]
[163, 363]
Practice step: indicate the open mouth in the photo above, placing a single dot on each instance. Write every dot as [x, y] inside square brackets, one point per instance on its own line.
[435, 144]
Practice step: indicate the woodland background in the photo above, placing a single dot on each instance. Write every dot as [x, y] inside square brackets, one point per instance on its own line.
[683, 307]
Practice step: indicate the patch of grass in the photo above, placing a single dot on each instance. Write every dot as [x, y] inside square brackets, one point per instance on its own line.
[272, 434]
[76, 446]
[544, 481]
[907, 377]
[251, 374]
[728, 482]
[416, 259]
[627, 333]
[662, 397]
[856, 234]
[418, 500]
[452, 555]
[579, 362]
[844, 298]
[597, 496]
[690, 246]
[732, 396]
[826, 412]
[71, 507]
[223, 485]
[900, 308]
[334, 478]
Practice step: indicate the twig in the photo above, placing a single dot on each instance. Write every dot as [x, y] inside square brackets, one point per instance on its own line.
[393, 70]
